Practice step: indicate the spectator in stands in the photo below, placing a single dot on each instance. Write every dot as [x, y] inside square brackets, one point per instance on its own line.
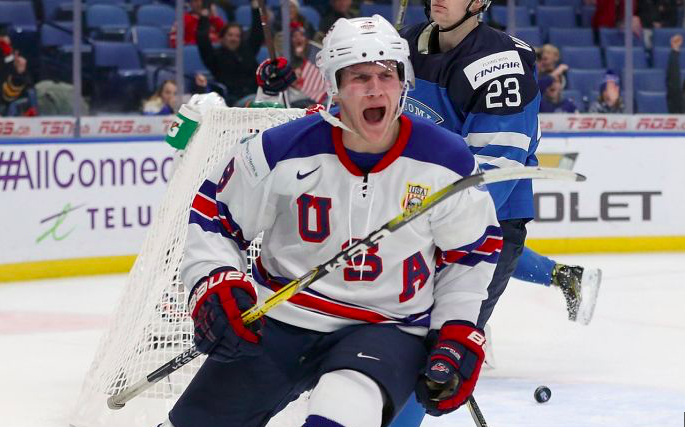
[551, 100]
[191, 21]
[234, 62]
[163, 101]
[659, 13]
[675, 94]
[548, 64]
[339, 9]
[609, 13]
[309, 87]
[17, 94]
[295, 17]
[609, 100]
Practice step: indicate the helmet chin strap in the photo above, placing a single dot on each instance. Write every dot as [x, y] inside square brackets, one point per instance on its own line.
[466, 16]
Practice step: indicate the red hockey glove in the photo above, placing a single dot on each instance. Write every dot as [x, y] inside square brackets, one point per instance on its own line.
[215, 305]
[453, 367]
[275, 75]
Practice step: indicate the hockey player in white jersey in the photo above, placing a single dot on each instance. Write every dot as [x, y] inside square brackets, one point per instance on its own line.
[357, 336]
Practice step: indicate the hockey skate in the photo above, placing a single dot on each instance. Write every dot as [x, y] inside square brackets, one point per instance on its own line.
[580, 287]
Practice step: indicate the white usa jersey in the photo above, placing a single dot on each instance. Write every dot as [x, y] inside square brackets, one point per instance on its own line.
[297, 184]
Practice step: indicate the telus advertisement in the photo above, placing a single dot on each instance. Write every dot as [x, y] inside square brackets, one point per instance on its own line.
[74, 200]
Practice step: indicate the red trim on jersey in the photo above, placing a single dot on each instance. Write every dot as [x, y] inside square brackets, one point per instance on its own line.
[491, 245]
[320, 304]
[205, 206]
[392, 154]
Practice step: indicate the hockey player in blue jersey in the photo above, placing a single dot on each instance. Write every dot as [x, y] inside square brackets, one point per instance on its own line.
[356, 337]
[481, 83]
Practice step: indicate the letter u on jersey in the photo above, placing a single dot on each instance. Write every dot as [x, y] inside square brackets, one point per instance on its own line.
[313, 220]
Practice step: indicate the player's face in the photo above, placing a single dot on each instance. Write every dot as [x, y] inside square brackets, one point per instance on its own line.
[446, 12]
[369, 95]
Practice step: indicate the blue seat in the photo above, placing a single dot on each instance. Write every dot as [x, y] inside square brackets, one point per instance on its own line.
[415, 15]
[192, 62]
[262, 54]
[137, 3]
[582, 57]
[311, 15]
[117, 55]
[571, 37]
[499, 14]
[662, 36]
[51, 36]
[649, 79]
[575, 96]
[243, 16]
[156, 15]
[530, 35]
[152, 43]
[104, 20]
[653, 102]
[50, 8]
[575, 4]
[660, 57]
[585, 81]
[18, 14]
[369, 9]
[121, 81]
[615, 58]
[556, 16]
[614, 37]
[531, 5]
[586, 14]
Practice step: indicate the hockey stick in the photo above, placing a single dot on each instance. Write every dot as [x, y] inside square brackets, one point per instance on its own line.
[476, 414]
[118, 401]
[401, 13]
[269, 40]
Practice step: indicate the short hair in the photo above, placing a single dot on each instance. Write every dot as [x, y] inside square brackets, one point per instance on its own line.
[550, 48]
[226, 27]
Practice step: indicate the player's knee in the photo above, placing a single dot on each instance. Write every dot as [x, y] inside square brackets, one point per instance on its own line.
[327, 406]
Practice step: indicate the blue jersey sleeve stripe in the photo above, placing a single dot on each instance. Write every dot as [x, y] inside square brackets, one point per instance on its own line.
[494, 151]
[525, 122]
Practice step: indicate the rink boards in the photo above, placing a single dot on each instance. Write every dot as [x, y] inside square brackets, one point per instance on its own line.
[82, 206]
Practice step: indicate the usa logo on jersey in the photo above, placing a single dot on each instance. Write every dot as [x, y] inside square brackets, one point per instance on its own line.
[415, 195]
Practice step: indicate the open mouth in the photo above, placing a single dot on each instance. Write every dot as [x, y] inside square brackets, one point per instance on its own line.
[374, 115]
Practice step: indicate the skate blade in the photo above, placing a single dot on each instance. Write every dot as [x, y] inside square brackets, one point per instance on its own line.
[589, 288]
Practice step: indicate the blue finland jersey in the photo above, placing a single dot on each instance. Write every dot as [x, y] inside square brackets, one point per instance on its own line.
[484, 89]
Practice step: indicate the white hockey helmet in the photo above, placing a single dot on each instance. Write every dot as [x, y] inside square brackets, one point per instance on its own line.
[359, 40]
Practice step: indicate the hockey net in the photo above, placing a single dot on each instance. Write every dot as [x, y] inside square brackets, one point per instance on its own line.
[150, 325]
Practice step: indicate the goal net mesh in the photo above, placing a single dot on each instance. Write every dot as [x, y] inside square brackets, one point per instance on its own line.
[150, 325]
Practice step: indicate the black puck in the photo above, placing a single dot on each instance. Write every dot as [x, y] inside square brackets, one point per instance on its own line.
[542, 394]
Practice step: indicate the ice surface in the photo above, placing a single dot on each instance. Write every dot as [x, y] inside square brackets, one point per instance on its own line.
[627, 368]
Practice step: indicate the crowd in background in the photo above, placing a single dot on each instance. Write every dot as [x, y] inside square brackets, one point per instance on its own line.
[230, 54]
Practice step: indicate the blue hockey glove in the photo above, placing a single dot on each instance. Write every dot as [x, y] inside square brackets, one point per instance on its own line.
[453, 367]
[216, 304]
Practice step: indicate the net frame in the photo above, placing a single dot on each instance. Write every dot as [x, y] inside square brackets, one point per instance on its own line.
[150, 325]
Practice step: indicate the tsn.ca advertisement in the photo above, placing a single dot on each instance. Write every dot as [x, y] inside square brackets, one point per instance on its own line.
[75, 200]
[63, 127]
